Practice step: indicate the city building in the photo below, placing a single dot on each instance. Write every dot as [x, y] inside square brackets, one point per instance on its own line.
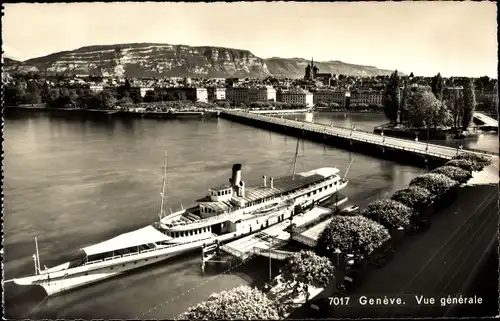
[366, 96]
[186, 93]
[330, 96]
[237, 95]
[215, 93]
[144, 90]
[96, 88]
[312, 73]
[295, 97]
[263, 94]
[450, 92]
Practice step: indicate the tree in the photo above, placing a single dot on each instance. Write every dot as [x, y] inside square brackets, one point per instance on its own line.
[413, 196]
[307, 268]
[127, 86]
[411, 75]
[125, 101]
[455, 173]
[389, 213]
[437, 86]
[135, 95]
[455, 105]
[241, 303]
[437, 184]
[105, 100]
[403, 114]
[14, 95]
[469, 104]
[151, 96]
[34, 93]
[355, 235]
[391, 98]
[424, 109]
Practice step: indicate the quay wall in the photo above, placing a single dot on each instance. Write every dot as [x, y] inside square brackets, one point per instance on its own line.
[407, 156]
[106, 114]
[281, 111]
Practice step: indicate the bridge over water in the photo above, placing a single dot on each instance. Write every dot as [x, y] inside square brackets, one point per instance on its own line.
[404, 150]
[485, 121]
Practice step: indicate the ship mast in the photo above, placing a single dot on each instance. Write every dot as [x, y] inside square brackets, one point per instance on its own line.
[37, 258]
[295, 159]
[348, 168]
[163, 186]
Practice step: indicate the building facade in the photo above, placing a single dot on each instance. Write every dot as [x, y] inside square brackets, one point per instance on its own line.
[366, 96]
[330, 96]
[187, 93]
[263, 94]
[296, 97]
[215, 93]
[237, 95]
[96, 88]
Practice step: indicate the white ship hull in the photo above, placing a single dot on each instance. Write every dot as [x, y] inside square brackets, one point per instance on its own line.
[61, 278]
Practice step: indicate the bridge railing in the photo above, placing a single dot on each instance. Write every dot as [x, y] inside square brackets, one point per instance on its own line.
[330, 130]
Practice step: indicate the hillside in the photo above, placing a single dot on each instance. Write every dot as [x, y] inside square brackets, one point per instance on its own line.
[164, 60]
[294, 68]
[11, 65]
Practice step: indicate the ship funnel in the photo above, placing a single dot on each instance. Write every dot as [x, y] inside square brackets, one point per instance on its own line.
[236, 178]
[264, 179]
[241, 189]
[272, 182]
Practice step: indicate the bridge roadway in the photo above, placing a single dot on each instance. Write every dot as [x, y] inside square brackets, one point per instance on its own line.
[487, 120]
[421, 148]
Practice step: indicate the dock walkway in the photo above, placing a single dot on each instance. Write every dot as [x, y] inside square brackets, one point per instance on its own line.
[266, 242]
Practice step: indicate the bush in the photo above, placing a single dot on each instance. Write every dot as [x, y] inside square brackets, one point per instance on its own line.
[389, 213]
[356, 235]
[413, 196]
[437, 184]
[455, 173]
[306, 268]
[479, 162]
[241, 303]
[462, 163]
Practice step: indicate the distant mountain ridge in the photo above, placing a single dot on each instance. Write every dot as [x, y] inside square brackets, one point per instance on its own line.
[165, 60]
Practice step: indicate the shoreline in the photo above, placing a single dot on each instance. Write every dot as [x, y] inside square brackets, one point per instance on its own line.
[19, 110]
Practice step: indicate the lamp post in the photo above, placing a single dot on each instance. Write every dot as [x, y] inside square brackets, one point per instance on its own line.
[459, 146]
[427, 144]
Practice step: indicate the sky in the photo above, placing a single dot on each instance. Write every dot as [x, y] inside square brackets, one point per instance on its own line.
[453, 38]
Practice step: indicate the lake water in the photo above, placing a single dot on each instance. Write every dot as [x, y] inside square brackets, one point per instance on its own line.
[75, 182]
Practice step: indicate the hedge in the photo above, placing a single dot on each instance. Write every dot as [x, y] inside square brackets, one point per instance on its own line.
[241, 303]
[390, 213]
[455, 173]
[413, 196]
[437, 184]
[356, 235]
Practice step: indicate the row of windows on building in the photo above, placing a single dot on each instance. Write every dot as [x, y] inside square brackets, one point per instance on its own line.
[197, 231]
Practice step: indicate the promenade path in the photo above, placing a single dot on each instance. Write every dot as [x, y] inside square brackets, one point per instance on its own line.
[417, 147]
[441, 262]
